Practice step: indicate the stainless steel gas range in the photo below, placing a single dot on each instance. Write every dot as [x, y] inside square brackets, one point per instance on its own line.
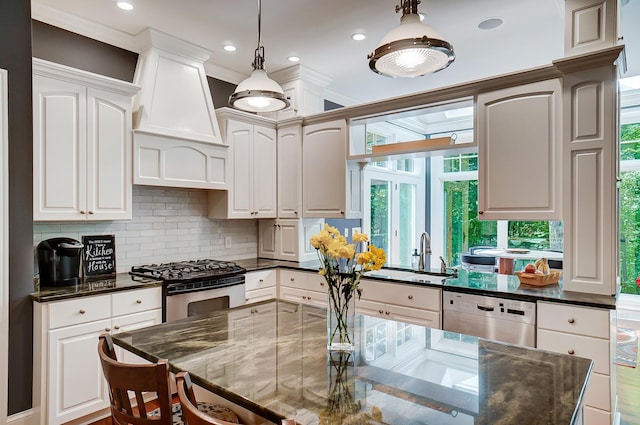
[196, 287]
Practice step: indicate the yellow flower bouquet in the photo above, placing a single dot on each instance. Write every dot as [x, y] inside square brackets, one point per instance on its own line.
[342, 266]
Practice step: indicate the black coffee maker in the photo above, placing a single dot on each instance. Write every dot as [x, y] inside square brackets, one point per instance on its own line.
[59, 262]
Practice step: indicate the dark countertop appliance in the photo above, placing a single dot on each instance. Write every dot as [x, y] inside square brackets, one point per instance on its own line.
[59, 262]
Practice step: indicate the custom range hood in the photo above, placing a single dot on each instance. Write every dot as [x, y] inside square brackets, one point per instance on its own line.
[176, 138]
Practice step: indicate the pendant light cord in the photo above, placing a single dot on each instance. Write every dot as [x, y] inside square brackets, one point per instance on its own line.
[259, 21]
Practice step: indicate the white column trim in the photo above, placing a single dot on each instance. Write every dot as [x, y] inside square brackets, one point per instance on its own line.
[4, 243]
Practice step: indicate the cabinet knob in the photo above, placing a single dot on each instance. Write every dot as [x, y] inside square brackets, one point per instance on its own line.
[321, 283]
[82, 311]
[138, 301]
[571, 352]
[380, 311]
[571, 320]
[116, 327]
[107, 329]
[341, 212]
[261, 281]
[295, 212]
[90, 212]
[387, 313]
[410, 297]
[81, 211]
[292, 279]
[480, 212]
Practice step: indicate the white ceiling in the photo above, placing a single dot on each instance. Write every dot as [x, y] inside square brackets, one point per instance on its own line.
[319, 32]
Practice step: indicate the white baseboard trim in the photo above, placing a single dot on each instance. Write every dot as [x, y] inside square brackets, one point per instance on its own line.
[22, 418]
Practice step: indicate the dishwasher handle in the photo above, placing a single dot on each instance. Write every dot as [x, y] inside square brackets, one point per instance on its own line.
[484, 307]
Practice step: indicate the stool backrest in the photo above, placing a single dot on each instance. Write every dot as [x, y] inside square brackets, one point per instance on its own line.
[125, 379]
[190, 412]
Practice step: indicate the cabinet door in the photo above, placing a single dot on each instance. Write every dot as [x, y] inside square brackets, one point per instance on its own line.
[59, 144]
[109, 150]
[76, 385]
[267, 235]
[324, 162]
[290, 172]
[288, 233]
[264, 170]
[519, 136]
[240, 138]
[132, 322]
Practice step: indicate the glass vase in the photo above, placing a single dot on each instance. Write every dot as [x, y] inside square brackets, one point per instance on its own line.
[341, 312]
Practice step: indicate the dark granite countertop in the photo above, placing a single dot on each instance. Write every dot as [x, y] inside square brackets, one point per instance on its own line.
[492, 284]
[271, 358]
[89, 287]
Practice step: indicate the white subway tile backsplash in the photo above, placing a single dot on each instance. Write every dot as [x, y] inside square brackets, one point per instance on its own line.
[168, 224]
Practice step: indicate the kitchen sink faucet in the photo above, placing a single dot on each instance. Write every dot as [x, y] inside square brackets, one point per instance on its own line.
[425, 249]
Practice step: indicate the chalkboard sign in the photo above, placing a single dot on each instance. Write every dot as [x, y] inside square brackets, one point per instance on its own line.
[99, 255]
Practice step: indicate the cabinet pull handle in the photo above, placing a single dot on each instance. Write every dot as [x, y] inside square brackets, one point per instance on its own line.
[90, 212]
[116, 327]
[410, 297]
[138, 301]
[571, 320]
[571, 352]
[82, 311]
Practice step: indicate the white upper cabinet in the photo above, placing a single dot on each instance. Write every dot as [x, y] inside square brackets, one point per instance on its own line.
[519, 152]
[82, 145]
[330, 188]
[252, 192]
[290, 171]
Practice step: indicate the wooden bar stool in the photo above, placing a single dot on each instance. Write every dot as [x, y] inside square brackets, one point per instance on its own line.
[194, 415]
[124, 379]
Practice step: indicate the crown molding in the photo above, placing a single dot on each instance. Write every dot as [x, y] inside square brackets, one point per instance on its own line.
[224, 74]
[338, 98]
[85, 27]
[300, 72]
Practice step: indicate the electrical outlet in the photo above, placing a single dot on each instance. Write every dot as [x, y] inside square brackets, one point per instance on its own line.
[346, 232]
[227, 242]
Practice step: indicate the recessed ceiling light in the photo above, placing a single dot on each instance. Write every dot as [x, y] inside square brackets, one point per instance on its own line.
[229, 48]
[125, 5]
[358, 36]
[293, 59]
[490, 23]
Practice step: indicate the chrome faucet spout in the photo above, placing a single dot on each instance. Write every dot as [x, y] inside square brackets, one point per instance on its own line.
[425, 249]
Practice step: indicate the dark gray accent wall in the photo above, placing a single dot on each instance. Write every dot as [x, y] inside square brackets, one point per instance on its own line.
[15, 57]
[67, 48]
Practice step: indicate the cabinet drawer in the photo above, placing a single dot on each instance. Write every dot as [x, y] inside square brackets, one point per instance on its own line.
[128, 302]
[429, 319]
[582, 346]
[261, 294]
[598, 392]
[260, 279]
[576, 320]
[404, 295]
[293, 279]
[79, 310]
[316, 282]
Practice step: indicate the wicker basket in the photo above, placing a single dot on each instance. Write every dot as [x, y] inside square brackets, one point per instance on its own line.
[535, 279]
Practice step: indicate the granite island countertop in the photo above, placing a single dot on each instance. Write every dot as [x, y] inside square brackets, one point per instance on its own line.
[271, 358]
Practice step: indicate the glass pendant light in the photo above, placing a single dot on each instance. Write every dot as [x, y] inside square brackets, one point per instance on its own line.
[412, 49]
[258, 93]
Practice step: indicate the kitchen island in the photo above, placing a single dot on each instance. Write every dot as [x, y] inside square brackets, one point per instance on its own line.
[270, 358]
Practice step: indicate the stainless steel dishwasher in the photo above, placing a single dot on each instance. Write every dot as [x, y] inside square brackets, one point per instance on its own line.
[499, 319]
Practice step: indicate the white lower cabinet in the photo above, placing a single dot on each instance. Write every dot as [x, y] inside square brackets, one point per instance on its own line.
[68, 380]
[586, 332]
[302, 287]
[261, 285]
[402, 303]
